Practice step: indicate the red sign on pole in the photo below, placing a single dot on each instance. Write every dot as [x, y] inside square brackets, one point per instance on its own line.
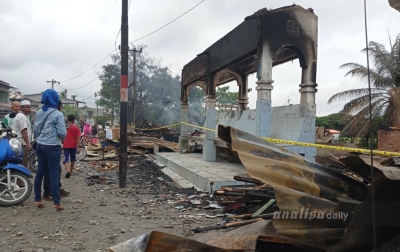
[124, 88]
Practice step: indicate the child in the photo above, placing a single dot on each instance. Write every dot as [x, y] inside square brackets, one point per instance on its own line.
[70, 145]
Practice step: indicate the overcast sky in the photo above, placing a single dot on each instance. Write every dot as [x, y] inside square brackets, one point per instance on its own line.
[46, 39]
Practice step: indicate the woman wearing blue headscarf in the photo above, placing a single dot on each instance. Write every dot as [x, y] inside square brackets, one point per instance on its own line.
[49, 131]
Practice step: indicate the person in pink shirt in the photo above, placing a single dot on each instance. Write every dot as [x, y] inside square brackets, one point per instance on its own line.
[86, 133]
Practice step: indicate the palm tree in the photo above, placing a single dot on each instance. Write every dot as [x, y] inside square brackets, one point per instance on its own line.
[63, 94]
[385, 90]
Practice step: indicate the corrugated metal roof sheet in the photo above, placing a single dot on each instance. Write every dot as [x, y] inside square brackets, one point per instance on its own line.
[38, 97]
[303, 186]
[16, 95]
[3, 83]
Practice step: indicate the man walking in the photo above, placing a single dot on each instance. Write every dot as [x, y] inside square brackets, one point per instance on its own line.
[22, 126]
[15, 106]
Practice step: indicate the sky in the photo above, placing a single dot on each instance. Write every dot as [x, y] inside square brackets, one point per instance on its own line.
[43, 40]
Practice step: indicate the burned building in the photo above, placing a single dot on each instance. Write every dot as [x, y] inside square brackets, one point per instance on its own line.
[263, 40]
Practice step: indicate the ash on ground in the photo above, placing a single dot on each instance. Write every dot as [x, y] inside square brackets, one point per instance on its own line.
[143, 176]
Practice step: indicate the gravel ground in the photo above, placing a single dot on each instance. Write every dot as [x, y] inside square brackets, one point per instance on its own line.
[99, 215]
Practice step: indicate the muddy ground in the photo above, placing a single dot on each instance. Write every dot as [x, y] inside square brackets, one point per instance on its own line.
[99, 215]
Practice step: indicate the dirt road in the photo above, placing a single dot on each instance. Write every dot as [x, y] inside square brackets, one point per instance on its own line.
[98, 214]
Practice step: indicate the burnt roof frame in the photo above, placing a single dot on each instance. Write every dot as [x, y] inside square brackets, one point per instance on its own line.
[299, 42]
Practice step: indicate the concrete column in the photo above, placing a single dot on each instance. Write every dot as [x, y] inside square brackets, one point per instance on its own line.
[263, 108]
[209, 148]
[243, 99]
[183, 138]
[307, 91]
[264, 90]
[308, 84]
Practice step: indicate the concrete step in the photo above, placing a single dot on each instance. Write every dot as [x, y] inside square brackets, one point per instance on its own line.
[208, 176]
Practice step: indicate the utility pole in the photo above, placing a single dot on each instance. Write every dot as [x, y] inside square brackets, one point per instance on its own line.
[53, 82]
[123, 161]
[97, 105]
[133, 84]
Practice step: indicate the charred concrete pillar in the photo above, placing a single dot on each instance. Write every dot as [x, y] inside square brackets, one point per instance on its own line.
[183, 138]
[264, 90]
[243, 98]
[308, 84]
[209, 148]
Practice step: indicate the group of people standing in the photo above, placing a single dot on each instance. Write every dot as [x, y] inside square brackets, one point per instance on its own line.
[21, 124]
[51, 135]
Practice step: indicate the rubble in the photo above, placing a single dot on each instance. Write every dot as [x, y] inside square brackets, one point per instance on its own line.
[138, 143]
[145, 144]
[291, 204]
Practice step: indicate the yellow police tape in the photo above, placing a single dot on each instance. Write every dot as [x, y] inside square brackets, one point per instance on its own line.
[213, 130]
[321, 146]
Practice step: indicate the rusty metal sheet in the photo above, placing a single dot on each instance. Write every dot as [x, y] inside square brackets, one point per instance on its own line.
[162, 242]
[244, 238]
[282, 168]
[359, 235]
[300, 183]
[299, 186]
[362, 164]
[258, 236]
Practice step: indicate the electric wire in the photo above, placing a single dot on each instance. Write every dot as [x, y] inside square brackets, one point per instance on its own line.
[133, 41]
[89, 68]
[168, 23]
[81, 96]
[370, 129]
[115, 43]
[83, 85]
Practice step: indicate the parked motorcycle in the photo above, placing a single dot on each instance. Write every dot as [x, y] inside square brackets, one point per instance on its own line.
[15, 186]
[33, 162]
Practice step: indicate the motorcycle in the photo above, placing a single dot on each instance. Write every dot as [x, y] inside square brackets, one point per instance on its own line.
[33, 163]
[15, 185]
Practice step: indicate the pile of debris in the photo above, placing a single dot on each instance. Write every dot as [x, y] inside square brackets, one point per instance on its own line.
[97, 152]
[145, 144]
[137, 144]
[151, 129]
[323, 135]
[292, 204]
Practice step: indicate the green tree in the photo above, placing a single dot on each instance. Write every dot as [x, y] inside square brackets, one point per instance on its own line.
[101, 119]
[110, 87]
[69, 109]
[225, 97]
[163, 105]
[385, 91]
[158, 90]
[196, 102]
[332, 121]
[63, 94]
